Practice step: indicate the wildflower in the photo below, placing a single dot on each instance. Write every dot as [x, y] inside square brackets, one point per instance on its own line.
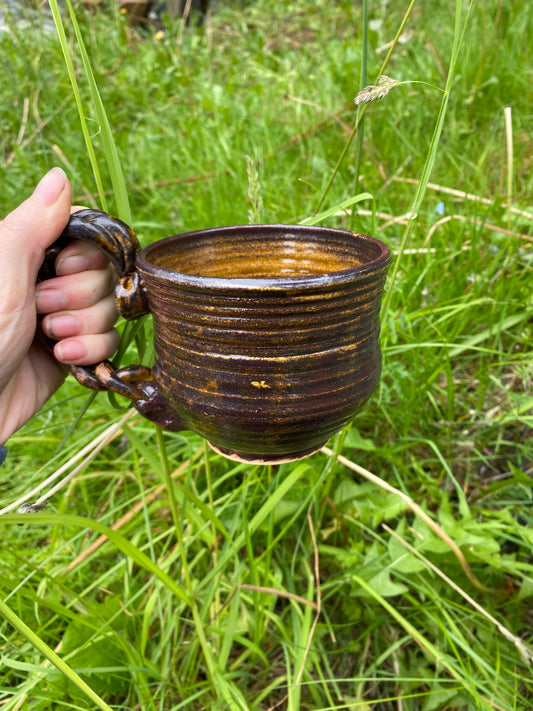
[159, 35]
[378, 91]
[440, 209]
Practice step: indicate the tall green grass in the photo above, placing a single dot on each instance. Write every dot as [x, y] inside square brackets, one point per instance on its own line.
[394, 570]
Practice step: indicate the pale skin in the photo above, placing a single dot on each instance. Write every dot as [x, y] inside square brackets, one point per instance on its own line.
[78, 307]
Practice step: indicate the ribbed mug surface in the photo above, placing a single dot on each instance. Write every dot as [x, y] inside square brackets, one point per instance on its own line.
[267, 337]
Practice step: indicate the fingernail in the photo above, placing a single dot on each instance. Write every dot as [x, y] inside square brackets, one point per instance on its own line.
[72, 265]
[71, 351]
[49, 300]
[62, 326]
[51, 186]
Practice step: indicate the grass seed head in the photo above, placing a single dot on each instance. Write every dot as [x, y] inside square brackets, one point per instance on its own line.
[372, 92]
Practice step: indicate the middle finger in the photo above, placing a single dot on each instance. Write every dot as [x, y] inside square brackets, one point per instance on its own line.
[75, 291]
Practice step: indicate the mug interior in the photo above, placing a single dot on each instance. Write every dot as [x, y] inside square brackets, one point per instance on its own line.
[264, 252]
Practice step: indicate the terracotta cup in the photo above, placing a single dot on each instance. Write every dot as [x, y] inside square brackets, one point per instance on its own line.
[266, 336]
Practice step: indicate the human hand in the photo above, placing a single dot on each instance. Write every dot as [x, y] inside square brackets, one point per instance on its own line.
[78, 304]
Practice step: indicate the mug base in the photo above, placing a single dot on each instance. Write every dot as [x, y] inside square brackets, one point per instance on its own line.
[235, 457]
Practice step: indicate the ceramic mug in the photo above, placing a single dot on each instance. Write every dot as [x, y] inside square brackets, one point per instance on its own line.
[266, 336]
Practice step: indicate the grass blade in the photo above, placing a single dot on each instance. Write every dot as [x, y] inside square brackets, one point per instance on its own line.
[23, 629]
[115, 537]
[459, 33]
[56, 14]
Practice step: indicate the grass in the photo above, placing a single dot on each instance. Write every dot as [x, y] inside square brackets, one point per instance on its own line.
[393, 571]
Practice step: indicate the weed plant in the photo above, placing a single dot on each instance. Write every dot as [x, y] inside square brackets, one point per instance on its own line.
[393, 570]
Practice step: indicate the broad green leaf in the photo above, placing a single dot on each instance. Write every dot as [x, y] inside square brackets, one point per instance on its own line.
[526, 589]
[401, 559]
[382, 584]
[366, 502]
[356, 440]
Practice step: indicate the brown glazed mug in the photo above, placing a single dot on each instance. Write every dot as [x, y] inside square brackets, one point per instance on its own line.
[266, 336]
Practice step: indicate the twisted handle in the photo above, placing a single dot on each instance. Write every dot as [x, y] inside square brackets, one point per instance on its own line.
[120, 244]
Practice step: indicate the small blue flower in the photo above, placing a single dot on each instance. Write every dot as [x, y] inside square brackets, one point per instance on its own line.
[440, 209]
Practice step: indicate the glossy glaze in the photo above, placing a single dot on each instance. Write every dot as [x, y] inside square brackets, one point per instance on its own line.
[267, 337]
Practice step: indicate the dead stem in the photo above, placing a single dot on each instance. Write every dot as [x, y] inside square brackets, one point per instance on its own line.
[92, 449]
[131, 513]
[278, 593]
[462, 195]
[479, 223]
[416, 509]
[525, 652]
[159, 184]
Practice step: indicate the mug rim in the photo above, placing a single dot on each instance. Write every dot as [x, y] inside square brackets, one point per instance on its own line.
[309, 280]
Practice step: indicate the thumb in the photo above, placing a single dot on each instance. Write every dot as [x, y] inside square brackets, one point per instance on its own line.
[28, 231]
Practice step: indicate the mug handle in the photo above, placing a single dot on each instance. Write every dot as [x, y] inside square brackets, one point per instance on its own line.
[120, 244]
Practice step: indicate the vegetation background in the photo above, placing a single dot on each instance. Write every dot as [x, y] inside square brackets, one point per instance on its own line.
[393, 571]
